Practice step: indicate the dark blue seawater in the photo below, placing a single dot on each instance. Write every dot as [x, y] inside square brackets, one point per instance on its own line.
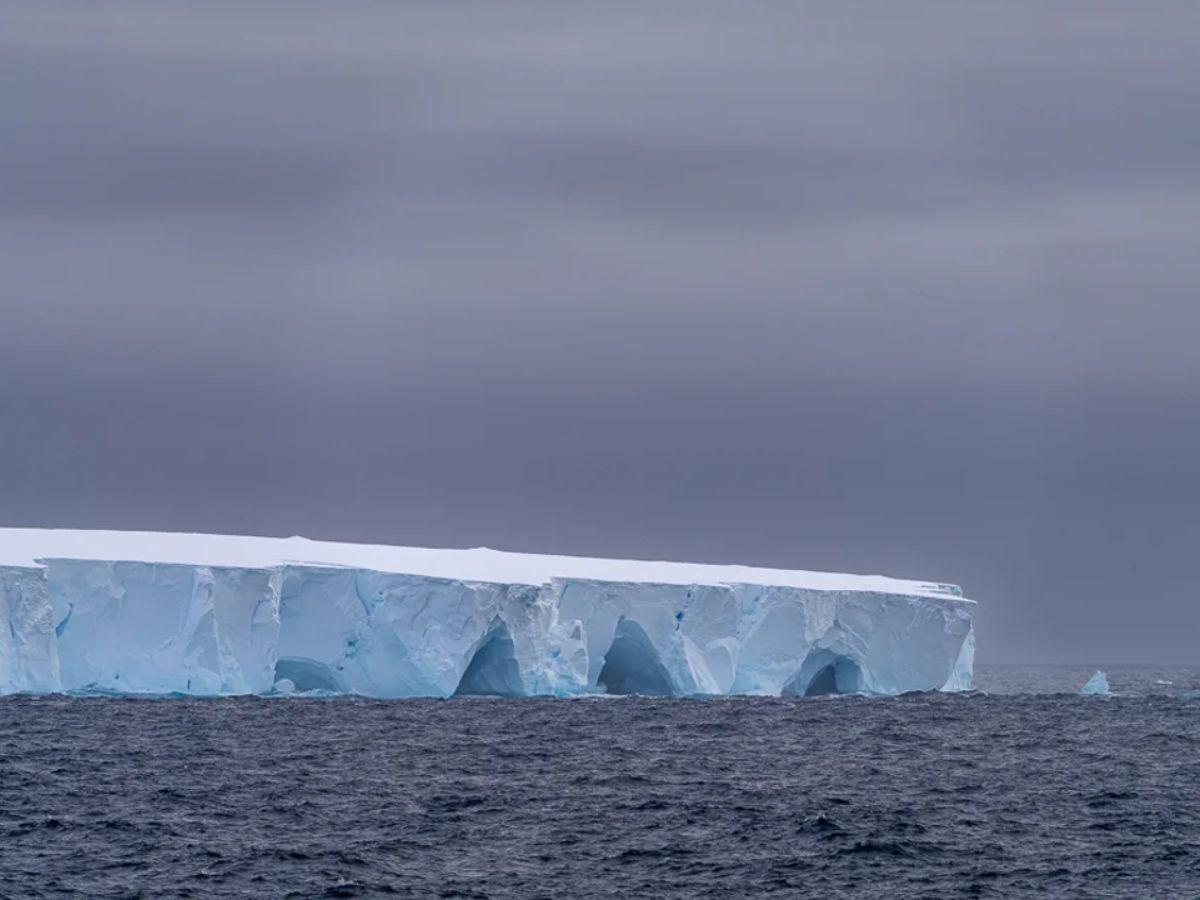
[1016, 792]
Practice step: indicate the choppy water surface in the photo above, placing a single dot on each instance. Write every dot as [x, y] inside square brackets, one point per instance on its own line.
[974, 795]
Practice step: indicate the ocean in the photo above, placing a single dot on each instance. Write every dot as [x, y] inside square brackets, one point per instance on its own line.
[1020, 789]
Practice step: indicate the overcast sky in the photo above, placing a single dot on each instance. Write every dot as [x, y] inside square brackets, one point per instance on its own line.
[897, 288]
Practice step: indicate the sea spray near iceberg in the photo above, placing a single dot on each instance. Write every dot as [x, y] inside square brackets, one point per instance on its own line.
[141, 612]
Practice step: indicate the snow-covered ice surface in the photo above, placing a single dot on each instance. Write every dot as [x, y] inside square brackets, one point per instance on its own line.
[147, 612]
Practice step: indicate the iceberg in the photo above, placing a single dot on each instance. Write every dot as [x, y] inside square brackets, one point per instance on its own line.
[160, 613]
[1097, 685]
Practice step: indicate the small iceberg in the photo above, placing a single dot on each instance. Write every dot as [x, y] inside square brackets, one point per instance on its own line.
[1097, 685]
[1188, 695]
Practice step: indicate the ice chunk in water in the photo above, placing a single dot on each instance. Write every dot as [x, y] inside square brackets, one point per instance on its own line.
[1097, 685]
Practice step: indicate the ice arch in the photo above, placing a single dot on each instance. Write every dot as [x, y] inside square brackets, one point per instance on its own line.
[306, 674]
[493, 670]
[632, 665]
[824, 672]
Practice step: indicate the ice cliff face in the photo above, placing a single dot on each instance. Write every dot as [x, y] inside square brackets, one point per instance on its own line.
[199, 614]
[28, 645]
[160, 628]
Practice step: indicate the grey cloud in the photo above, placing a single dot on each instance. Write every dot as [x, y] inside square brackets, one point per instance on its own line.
[835, 286]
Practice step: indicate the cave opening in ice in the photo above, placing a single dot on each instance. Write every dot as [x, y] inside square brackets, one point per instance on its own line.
[493, 671]
[824, 673]
[632, 665]
[305, 674]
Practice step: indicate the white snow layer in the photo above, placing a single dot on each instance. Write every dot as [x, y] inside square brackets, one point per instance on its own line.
[141, 612]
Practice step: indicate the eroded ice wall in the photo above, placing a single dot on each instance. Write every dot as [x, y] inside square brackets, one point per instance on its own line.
[394, 635]
[751, 639]
[162, 628]
[28, 645]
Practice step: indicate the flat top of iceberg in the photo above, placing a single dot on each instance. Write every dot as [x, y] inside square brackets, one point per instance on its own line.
[26, 546]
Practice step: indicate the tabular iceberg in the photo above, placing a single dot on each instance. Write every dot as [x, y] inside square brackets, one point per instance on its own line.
[141, 612]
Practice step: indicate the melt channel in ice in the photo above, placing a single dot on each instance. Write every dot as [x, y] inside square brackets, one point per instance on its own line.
[157, 613]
